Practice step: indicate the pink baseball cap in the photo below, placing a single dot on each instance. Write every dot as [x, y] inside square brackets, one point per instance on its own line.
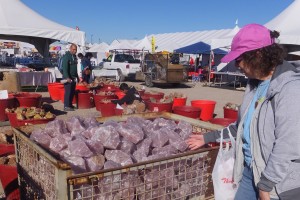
[250, 37]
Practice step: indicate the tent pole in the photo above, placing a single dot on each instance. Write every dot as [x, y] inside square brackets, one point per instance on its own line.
[209, 68]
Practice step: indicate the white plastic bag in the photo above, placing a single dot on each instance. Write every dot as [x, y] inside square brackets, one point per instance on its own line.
[222, 175]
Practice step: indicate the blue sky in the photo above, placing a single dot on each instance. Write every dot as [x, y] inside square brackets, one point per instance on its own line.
[133, 19]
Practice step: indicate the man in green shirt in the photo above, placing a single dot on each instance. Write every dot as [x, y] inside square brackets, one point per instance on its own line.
[69, 65]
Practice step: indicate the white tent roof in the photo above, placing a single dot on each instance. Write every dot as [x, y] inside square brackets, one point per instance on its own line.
[18, 22]
[102, 47]
[171, 41]
[225, 41]
[287, 23]
[144, 44]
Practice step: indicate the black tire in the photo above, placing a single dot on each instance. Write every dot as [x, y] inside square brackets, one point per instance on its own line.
[148, 81]
[121, 76]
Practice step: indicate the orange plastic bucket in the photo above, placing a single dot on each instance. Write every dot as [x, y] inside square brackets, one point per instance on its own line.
[179, 102]
[10, 102]
[54, 90]
[85, 100]
[187, 111]
[159, 107]
[27, 99]
[230, 113]
[207, 108]
[222, 121]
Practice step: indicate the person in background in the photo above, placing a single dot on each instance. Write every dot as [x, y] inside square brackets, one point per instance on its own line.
[79, 65]
[267, 130]
[131, 94]
[86, 67]
[69, 65]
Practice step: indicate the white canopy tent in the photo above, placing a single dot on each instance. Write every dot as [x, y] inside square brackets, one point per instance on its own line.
[287, 23]
[19, 23]
[225, 41]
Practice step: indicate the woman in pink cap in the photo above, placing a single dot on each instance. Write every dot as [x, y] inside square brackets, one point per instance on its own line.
[267, 132]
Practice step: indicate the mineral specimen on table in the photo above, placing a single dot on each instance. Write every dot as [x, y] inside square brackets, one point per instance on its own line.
[143, 149]
[56, 127]
[176, 141]
[126, 146]
[182, 192]
[111, 164]
[79, 148]
[118, 157]
[89, 132]
[131, 132]
[95, 146]
[169, 149]
[155, 193]
[159, 138]
[75, 125]
[95, 163]
[108, 136]
[58, 143]
[184, 129]
[90, 121]
[41, 137]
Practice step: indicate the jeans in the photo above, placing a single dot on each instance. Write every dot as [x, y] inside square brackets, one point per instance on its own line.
[69, 93]
[247, 190]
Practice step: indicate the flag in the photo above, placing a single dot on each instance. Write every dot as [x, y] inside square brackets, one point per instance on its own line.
[153, 44]
[212, 58]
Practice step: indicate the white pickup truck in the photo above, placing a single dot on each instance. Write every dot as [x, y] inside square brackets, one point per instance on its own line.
[119, 65]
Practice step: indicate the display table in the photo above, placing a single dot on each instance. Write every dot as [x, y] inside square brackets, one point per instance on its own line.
[35, 78]
[219, 80]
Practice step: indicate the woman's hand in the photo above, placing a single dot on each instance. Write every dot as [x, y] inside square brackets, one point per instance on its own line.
[263, 195]
[195, 141]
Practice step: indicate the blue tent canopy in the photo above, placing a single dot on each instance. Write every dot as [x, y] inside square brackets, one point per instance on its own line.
[199, 48]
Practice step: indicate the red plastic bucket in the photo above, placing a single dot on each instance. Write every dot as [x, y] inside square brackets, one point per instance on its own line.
[82, 88]
[34, 121]
[207, 108]
[187, 111]
[10, 102]
[99, 98]
[120, 94]
[118, 111]
[156, 96]
[159, 107]
[85, 100]
[9, 180]
[179, 102]
[27, 99]
[222, 121]
[141, 92]
[7, 149]
[106, 109]
[230, 113]
[54, 90]
[12, 117]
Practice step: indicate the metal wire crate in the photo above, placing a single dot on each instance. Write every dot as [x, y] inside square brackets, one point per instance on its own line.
[43, 175]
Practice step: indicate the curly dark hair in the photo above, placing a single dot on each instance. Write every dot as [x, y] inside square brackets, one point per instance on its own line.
[262, 61]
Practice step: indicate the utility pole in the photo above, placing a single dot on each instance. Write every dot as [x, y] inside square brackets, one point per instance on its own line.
[91, 38]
